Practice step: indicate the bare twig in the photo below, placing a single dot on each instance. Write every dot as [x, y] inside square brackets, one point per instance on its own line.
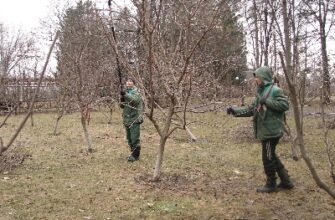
[9, 114]
[4, 148]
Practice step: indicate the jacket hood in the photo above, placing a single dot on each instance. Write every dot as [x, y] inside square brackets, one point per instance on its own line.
[265, 74]
[131, 88]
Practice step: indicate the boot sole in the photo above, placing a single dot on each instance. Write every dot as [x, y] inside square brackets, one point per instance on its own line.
[259, 191]
[285, 188]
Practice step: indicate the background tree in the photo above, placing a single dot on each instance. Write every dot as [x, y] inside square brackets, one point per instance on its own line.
[5, 147]
[171, 66]
[322, 13]
[83, 60]
[16, 53]
[294, 36]
[260, 25]
[15, 48]
[287, 66]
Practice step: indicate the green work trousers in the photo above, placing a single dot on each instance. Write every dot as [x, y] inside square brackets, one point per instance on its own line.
[133, 138]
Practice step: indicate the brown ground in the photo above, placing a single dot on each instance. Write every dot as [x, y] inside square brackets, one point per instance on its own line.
[213, 178]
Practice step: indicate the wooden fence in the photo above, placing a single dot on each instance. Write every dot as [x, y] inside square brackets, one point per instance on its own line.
[21, 91]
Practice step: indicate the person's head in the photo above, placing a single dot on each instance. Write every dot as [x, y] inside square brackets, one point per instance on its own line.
[130, 82]
[263, 75]
[258, 81]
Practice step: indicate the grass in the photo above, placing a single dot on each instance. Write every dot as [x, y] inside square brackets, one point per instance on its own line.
[213, 178]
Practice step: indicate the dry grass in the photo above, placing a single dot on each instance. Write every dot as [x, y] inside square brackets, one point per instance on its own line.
[214, 178]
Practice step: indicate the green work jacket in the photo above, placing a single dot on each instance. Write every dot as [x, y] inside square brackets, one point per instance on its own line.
[132, 107]
[268, 118]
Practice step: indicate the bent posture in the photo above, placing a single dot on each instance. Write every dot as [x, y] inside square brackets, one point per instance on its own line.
[268, 111]
[132, 115]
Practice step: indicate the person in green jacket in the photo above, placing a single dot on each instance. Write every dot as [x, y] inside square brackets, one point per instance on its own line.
[268, 110]
[132, 105]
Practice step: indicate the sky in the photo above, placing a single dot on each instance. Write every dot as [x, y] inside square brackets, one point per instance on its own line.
[27, 14]
[23, 14]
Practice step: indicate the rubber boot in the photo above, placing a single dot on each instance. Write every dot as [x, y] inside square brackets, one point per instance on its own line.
[131, 158]
[135, 154]
[269, 187]
[137, 151]
[285, 182]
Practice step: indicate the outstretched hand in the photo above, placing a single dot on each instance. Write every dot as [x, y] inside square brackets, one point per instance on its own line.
[230, 110]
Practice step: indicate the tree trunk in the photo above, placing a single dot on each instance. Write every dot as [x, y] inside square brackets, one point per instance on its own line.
[110, 119]
[192, 136]
[164, 135]
[327, 142]
[294, 99]
[86, 133]
[325, 66]
[32, 119]
[257, 55]
[159, 158]
[60, 115]
[267, 34]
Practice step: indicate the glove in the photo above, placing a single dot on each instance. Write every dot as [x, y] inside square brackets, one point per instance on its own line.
[122, 93]
[122, 99]
[230, 110]
[262, 101]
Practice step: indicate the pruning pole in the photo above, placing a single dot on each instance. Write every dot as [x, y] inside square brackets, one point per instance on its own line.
[114, 36]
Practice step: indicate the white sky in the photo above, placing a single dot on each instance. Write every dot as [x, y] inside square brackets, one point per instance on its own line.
[23, 14]
[27, 14]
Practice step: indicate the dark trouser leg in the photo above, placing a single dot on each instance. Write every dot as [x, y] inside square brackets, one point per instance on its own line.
[270, 163]
[128, 135]
[285, 181]
[135, 140]
[270, 159]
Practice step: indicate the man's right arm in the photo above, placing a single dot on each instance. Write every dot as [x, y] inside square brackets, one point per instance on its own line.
[245, 111]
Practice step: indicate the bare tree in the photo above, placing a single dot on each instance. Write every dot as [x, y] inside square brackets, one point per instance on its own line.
[64, 105]
[323, 12]
[260, 24]
[14, 49]
[170, 38]
[16, 53]
[287, 66]
[83, 61]
[3, 147]
[176, 64]
[330, 147]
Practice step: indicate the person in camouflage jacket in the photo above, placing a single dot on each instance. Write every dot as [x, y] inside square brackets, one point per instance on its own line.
[268, 110]
[132, 105]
